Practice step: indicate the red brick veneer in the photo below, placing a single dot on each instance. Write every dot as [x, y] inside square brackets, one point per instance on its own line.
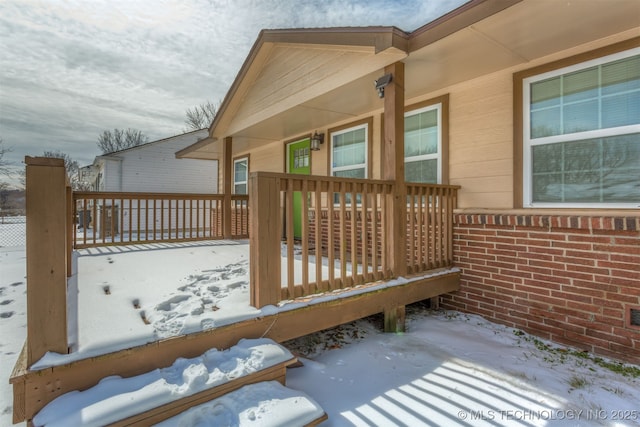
[570, 279]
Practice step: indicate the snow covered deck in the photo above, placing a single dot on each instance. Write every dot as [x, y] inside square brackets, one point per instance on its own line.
[129, 296]
[133, 295]
[142, 307]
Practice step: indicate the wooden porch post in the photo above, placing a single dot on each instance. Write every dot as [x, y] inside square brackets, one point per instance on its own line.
[393, 169]
[46, 200]
[227, 180]
[264, 241]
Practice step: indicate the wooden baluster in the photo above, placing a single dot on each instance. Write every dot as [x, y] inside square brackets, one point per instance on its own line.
[331, 252]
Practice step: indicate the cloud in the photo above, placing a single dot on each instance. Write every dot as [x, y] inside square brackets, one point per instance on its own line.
[70, 70]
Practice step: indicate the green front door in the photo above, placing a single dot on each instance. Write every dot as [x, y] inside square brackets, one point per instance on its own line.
[299, 162]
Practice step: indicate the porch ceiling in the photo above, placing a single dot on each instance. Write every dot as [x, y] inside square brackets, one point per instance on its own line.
[291, 87]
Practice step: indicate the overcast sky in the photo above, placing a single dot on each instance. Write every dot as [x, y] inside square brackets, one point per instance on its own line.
[72, 69]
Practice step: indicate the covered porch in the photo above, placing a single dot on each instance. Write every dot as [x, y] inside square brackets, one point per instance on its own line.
[340, 270]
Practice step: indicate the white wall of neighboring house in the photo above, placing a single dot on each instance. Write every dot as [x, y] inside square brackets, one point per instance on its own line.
[150, 168]
[153, 168]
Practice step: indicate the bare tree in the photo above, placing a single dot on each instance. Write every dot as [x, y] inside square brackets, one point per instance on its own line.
[4, 163]
[120, 139]
[201, 116]
[70, 165]
[22, 177]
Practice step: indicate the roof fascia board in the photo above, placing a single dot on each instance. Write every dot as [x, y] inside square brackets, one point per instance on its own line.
[456, 20]
[381, 38]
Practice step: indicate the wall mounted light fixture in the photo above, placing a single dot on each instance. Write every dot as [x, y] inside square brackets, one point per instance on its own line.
[381, 83]
[316, 140]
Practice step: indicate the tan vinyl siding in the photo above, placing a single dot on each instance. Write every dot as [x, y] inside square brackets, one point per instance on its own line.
[268, 158]
[480, 145]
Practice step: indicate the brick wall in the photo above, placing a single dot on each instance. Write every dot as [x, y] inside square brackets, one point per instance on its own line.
[337, 240]
[574, 280]
[432, 254]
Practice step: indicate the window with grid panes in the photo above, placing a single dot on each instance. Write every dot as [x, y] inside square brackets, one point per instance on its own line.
[240, 175]
[349, 154]
[422, 142]
[582, 134]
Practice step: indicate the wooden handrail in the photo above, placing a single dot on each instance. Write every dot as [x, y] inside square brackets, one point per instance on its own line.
[349, 237]
[126, 218]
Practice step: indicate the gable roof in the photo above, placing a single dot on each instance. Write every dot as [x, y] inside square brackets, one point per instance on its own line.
[152, 143]
[294, 81]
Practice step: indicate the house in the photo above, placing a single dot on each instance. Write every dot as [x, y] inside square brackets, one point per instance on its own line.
[531, 107]
[358, 143]
[152, 167]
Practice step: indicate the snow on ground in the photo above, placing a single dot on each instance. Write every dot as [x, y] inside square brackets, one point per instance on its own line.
[13, 321]
[457, 369]
[448, 369]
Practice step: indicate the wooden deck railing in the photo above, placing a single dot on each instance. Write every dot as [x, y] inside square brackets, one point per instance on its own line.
[341, 244]
[113, 218]
[430, 226]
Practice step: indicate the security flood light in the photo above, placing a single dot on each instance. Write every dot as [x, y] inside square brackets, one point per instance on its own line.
[381, 83]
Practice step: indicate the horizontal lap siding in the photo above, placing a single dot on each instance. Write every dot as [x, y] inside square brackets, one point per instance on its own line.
[155, 168]
[570, 279]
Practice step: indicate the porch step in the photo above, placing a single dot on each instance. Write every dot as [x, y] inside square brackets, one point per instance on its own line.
[265, 404]
[163, 393]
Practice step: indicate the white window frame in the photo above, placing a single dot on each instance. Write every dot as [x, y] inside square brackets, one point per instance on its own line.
[364, 126]
[438, 155]
[246, 181]
[528, 142]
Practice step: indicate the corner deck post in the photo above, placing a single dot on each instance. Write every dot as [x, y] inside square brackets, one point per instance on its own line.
[47, 219]
[264, 240]
[393, 169]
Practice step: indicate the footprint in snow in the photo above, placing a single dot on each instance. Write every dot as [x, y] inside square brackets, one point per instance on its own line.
[236, 285]
[14, 284]
[6, 314]
[170, 303]
[6, 302]
[169, 325]
[207, 324]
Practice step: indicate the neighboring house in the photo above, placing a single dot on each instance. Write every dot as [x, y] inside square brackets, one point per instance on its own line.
[532, 107]
[146, 168]
[153, 168]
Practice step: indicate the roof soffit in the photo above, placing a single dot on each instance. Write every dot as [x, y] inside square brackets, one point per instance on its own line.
[523, 32]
